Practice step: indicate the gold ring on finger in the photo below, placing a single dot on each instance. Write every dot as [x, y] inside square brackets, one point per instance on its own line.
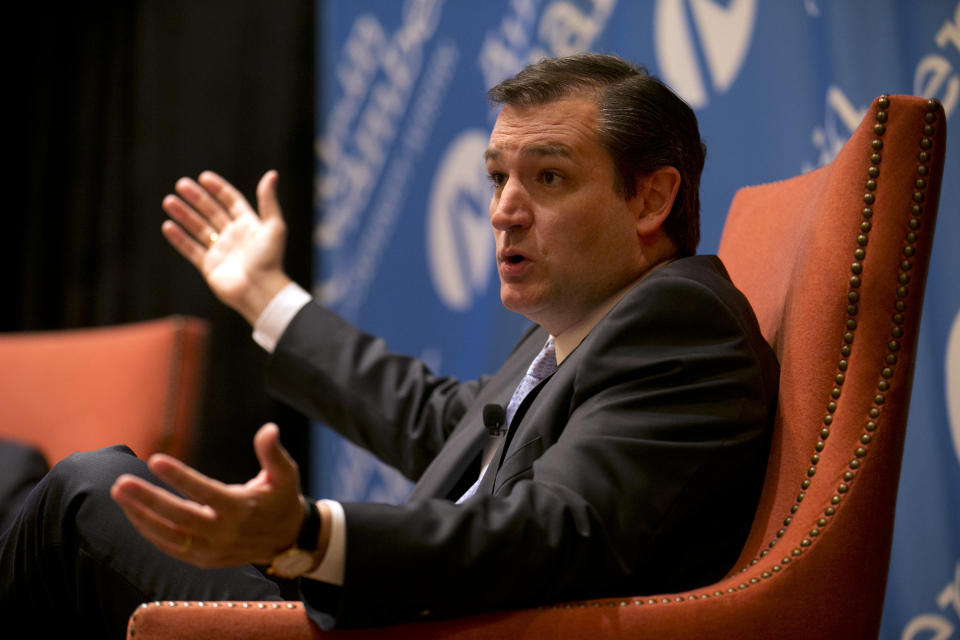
[186, 544]
[214, 236]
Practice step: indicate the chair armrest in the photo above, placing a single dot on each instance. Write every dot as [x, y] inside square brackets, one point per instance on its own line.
[289, 621]
[237, 620]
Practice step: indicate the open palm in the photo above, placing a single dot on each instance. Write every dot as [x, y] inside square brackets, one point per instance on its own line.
[238, 251]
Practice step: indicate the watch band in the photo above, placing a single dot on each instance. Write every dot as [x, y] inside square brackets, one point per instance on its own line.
[310, 530]
[302, 557]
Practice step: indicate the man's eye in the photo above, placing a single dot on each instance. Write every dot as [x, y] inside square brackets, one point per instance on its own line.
[497, 179]
[549, 177]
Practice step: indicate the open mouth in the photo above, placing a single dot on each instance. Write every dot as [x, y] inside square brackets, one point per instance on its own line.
[511, 256]
[512, 262]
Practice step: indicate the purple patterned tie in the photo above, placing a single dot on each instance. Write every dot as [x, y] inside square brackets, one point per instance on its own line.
[542, 366]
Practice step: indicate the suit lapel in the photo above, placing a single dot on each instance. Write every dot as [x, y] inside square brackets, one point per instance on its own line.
[489, 481]
[458, 462]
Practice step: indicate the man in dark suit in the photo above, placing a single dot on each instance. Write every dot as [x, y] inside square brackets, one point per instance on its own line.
[631, 418]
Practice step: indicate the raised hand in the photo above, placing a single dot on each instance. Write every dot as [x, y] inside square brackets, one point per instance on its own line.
[238, 252]
[214, 524]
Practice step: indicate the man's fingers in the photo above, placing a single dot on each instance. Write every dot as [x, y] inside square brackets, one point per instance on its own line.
[182, 542]
[208, 202]
[225, 194]
[274, 459]
[199, 228]
[213, 212]
[189, 482]
[161, 533]
[183, 243]
[267, 202]
[163, 507]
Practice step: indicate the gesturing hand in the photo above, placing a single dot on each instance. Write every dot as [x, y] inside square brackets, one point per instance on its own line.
[239, 253]
[218, 525]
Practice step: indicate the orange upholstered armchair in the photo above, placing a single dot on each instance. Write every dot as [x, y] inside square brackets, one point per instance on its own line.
[834, 263]
[82, 389]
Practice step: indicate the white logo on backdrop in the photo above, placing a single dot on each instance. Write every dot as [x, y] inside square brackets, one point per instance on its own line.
[952, 365]
[841, 120]
[459, 240]
[365, 150]
[934, 626]
[724, 34]
[563, 28]
[376, 73]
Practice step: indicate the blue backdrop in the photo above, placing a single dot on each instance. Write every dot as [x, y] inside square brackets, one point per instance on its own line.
[402, 241]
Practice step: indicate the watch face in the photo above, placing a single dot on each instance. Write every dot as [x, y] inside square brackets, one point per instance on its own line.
[292, 563]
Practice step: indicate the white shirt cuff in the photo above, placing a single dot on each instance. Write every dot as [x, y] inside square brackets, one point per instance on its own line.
[331, 569]
[277, 315]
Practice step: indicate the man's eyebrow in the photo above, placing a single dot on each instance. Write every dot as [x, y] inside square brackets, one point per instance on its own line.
[548, 149]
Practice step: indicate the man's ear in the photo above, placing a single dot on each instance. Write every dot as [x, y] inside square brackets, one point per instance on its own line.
[656, 192]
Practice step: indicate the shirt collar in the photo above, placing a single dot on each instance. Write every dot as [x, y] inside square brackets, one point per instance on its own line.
[570, 339]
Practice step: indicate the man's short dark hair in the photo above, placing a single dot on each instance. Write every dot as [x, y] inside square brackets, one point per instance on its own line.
[643, 125]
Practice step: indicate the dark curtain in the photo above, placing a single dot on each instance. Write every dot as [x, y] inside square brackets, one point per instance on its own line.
[114, 100]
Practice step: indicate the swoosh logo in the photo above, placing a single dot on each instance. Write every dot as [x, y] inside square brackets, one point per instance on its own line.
[720, 34]
[460, 248]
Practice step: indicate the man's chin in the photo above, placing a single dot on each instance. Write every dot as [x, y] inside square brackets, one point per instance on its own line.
[515, 301]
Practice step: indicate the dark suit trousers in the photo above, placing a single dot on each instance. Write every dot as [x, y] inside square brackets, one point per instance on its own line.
[21, 468]
[72, 563]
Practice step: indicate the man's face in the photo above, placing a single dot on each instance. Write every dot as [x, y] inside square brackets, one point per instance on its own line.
[566, 239]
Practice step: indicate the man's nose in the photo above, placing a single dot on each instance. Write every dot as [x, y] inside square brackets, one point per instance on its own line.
[511, 208]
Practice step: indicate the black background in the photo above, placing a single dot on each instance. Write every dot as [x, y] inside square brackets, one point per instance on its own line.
[112, 102]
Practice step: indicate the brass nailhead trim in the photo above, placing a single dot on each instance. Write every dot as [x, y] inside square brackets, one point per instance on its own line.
[853, 297]
[886, 374]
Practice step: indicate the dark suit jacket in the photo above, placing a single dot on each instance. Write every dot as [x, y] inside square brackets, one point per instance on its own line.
[634, 469]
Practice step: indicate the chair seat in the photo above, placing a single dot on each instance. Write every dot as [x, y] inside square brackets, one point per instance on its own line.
[83, 389]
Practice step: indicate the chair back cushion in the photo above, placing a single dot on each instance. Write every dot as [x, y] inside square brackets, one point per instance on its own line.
[834, 264]
[82, 389]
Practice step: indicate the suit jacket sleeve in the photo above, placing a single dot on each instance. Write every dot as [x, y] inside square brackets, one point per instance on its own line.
[386, 403]
[654, 426]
